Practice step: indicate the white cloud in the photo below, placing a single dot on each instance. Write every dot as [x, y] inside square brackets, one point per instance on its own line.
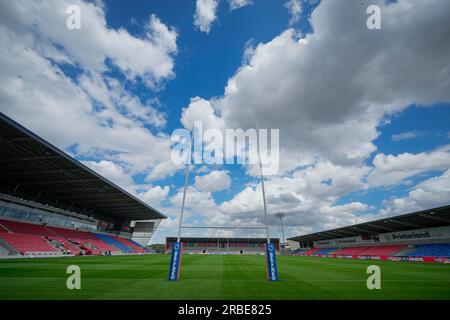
[295, 8]
[201, 110]
[111, 171]
[307, 196]
[93, 113]
[202, 169]
[430, 193]
[334, 113]
[390, 169]
[213, 181]
[90, 46]
[113, 96]
[205, 14]
[152, 195]
[328, 120]
[328, 93]
[237, 4]
[155, 195]
[199, 204]
[405, 136]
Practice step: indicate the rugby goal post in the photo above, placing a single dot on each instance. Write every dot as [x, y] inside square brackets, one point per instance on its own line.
[177, 247]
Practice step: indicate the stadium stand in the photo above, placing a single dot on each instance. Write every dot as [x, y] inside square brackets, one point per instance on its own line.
[114, 243]
[25, 228]
[25, 243]
[298, 251]
[431, 250]
[52, 203]
[418, 236]
[28, 238]
[137, 248]
[371, 250]
[25, 238]
[325, 251]
[65, 245]
[418, 250]
[222, 245]
[86, 240]
[383, 250]
[311, 252]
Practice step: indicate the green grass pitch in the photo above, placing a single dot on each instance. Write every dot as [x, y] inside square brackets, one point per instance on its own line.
[220, 277]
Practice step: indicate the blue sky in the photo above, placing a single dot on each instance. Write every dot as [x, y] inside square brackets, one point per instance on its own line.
[363, 114]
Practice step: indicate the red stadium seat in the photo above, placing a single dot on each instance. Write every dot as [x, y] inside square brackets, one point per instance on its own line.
[84, 238]
[28, 237]
[371, 250]
[25, 237]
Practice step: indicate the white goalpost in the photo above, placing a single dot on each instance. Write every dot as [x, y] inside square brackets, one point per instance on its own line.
[175, 263]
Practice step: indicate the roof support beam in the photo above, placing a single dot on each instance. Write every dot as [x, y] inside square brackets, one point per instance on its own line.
[434, 217]
[104, 204]
[326, 235]
[68, 181]
[407, 224]
[33, 158]
[28, 172]
[69, 190]
[99, 195]
[16, 139]
[345, 232]
[365, 230]
[380, 227]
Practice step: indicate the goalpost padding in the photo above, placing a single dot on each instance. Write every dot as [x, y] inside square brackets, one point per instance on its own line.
[271, 262]
[175, 262]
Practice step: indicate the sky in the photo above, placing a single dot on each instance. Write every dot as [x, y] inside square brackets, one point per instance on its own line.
[363, 114]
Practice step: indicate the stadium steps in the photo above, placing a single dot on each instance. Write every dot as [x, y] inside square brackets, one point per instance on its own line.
[52, 232]
[405, 252]
[311, 252]
[299, 251]
[139, 245]
[11, 250]
[21, 237]
[3, 228]
[72, 247]
[25, 237]
[131, 244]
[325, 251]
[86, 240]
[25, 243]
[349, 251]
[113, 242]
[65, 243]
[3, 250]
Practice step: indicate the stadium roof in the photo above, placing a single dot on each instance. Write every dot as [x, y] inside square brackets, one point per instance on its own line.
[34, 169]
[430, 218]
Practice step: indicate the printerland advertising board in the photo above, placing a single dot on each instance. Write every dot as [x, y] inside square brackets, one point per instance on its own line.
[418, 234]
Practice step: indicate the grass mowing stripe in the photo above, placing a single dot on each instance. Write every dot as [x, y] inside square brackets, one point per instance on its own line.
[220, 277]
